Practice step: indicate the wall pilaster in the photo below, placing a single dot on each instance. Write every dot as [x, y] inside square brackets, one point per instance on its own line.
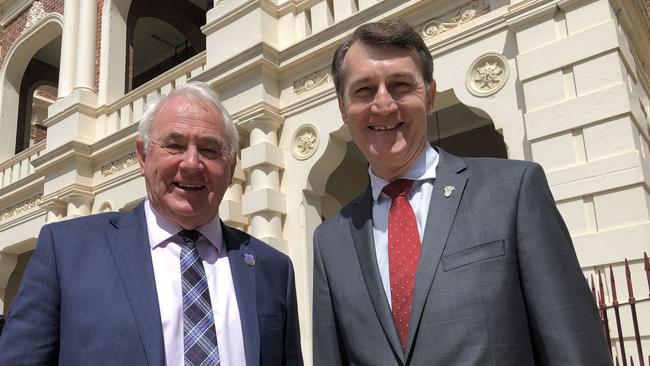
[264, 204]
[230, 210]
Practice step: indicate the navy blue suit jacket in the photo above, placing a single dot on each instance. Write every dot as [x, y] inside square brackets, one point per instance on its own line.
[88, 297]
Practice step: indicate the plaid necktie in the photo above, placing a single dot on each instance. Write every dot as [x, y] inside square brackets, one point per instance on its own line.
[199, 335]
[403, 254]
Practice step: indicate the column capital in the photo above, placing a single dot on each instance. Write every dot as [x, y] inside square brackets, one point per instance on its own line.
[262, 116]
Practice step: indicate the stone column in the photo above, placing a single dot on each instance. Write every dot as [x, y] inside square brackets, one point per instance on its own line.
[79, 203]
[230, 210]
[85, 62]
[68, 47]
[56, 210]
[265, 204]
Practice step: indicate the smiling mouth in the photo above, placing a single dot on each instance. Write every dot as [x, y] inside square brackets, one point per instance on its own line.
[386, 128]
[189, 187]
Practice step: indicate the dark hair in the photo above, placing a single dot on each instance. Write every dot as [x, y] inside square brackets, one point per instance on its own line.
[392, 33]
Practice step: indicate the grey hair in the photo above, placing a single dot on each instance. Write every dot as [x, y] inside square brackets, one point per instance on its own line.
[203, 92]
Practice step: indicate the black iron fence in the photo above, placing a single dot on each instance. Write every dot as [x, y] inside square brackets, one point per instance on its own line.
[624, 313]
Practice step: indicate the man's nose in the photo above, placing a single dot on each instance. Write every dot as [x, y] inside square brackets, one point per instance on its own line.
[191, 158]
[383, 103]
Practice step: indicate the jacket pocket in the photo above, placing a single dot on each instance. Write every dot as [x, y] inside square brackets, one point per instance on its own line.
[271, 321]
[474, 254]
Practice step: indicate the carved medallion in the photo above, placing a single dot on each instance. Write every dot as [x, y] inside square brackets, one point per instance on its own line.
[305, 142]
[487, 74]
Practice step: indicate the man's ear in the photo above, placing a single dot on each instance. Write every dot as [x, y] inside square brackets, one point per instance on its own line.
[232, 170]
[431, 96]
[140, 151]
[343, 109]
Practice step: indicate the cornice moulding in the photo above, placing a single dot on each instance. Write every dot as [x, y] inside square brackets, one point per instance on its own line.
[36, 213]
[22, 185]
[81, 108]
[230, 71]
[237, 13]
[321, 97]
[115, 141]
[116, 180]
[526, 12]
[75, 190]
[262, 110]
[70, 150]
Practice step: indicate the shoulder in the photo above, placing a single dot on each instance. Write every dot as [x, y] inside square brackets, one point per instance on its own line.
[340, 221]
[498, 166]
[90, 223]
[88, 229]
[239, 240]
[499, 170]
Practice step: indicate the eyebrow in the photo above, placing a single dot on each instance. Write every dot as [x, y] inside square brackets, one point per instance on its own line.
[200, 140]
[397, 74]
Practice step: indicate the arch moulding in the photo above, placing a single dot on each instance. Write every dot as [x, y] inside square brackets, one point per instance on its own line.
[21, 52]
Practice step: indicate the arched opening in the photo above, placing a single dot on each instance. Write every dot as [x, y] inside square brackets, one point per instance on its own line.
[32, 61]
[14, 279]
[160, 35]
[456, 128]
[38, 90]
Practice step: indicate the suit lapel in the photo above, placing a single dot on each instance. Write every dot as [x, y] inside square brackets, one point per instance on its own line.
[242, 258]
[361, 229]
[441, 214]
[129, 245]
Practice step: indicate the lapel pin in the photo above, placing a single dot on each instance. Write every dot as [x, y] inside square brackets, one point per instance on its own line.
[449, 190]
[249, 259]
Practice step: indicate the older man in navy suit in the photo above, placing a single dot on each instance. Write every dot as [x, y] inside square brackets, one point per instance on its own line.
[165, 284]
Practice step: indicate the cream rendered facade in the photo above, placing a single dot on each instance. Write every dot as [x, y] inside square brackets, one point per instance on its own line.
[565, 82]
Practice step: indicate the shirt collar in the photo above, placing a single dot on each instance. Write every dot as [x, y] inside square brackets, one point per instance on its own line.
[161, 229]
[424, 168]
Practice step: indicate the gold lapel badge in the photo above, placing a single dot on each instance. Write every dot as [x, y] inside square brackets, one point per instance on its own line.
[449, 190]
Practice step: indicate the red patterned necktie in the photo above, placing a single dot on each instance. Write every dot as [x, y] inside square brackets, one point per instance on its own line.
[403, 254]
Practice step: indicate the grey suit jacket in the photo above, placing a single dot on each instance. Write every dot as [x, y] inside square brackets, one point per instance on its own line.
[498, 282]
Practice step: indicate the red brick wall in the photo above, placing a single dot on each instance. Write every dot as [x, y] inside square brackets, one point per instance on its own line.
[14, 29]
[38, 133]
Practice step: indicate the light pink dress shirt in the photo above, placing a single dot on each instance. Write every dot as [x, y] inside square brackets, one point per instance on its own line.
[165, 254]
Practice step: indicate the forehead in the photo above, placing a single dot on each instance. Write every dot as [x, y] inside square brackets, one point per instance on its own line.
[363, 60]
[187, 112]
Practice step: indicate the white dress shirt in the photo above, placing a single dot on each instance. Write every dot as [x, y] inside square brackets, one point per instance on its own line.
[422, 172]
[165, 254]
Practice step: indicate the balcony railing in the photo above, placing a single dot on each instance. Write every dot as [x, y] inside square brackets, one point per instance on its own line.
[19, 166]
[129, 109]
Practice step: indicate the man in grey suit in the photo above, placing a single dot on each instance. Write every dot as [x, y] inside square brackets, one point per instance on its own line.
[442, 260]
